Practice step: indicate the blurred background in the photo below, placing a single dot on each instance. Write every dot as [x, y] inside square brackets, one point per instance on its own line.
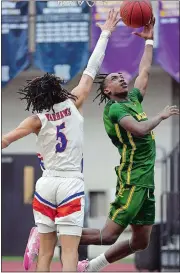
[58, 37]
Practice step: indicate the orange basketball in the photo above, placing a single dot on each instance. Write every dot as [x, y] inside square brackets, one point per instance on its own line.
[136, 14]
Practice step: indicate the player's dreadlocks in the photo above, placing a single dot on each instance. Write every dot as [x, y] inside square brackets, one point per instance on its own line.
[43, 92]
[100, 79]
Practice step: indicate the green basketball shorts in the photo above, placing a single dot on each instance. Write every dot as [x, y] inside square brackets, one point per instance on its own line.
[133, 205]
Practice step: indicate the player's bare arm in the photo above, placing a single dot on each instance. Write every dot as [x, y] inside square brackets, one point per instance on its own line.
[29, 125]
[96, 59]
[141, 129]
[146, 61]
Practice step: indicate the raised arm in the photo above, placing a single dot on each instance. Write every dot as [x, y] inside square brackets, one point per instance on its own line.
[142, 128]
[146, 61]
[29, 125]
[96, 59]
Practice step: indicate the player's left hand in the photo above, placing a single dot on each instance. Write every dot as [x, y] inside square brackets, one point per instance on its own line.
[148, 31]
[111, 22]
[169, 111]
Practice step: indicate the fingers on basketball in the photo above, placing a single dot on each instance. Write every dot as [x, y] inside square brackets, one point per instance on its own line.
[116, 18]
[117, 21]
[115, 15]
[152, 22]
[137, 34]
[111, 13]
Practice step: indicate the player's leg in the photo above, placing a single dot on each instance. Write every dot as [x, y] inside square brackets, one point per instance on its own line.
[143, 222]
[139, 241]
[69, 251]
[140, 237]
[112, 229]
[69, 219]
[44, 209]
[46, 249]
[141, 229]
[123, 210]
[106, 236]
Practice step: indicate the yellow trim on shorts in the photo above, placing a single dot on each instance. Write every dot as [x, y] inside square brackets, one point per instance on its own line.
[127, 203]
[133, 145]
[118, 133]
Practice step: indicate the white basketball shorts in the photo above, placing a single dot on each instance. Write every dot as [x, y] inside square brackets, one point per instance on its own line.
[58, 203]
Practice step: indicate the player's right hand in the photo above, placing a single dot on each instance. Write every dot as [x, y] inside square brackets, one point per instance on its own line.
[169, 111]
[111, 21]
[148, 31]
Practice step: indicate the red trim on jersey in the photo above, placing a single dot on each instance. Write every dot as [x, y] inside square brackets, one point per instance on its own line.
[40, 157]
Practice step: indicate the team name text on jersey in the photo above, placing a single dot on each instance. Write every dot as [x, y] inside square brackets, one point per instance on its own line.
[59, 115]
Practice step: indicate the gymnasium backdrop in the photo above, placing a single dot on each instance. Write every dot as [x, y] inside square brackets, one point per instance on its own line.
[14, 37]
[62, 38]
[168, 50]
[19, 174]
[65, 32]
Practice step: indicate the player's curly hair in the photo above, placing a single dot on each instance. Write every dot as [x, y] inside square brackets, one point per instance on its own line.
[43, 92]
[100, 79]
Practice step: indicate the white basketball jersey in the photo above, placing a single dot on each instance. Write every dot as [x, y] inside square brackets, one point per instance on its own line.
[60, 140]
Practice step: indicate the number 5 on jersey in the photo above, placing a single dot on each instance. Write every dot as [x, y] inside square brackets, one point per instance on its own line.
[61, 146]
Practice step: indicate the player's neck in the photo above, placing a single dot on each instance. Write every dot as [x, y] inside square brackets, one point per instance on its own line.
[120, 99]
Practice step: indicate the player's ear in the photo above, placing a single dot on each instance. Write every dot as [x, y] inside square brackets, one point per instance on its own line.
[107, 91]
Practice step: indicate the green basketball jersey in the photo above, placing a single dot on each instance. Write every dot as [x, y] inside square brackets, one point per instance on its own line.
[137, 153]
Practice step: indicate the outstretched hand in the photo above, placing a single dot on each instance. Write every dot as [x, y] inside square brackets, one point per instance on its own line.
[169, 111]
[148, 31]
[111, 22]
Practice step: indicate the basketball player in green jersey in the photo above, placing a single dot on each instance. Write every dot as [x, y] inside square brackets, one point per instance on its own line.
[131, 132]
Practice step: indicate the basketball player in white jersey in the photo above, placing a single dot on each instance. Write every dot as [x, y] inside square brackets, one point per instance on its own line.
[58, 203]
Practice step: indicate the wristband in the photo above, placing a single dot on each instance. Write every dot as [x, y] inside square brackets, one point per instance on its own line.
[105, 33]
[149, 42]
